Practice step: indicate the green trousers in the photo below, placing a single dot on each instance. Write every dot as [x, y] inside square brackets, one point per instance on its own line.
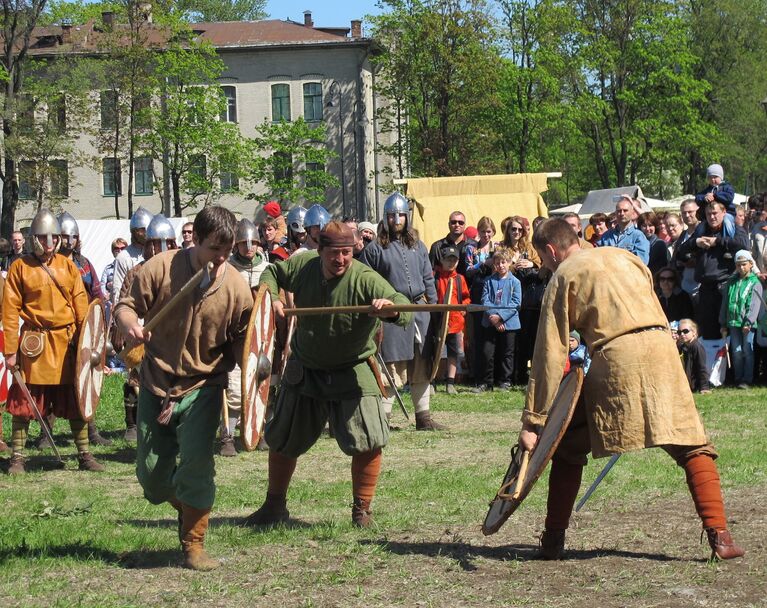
[176, 460]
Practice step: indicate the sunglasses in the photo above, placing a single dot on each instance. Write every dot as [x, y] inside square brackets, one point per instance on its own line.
[117, 248]
[459, 222]
[684, 332]
[512, 229]
[186, 232]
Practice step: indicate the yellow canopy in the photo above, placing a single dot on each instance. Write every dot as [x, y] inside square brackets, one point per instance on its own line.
[496, 196]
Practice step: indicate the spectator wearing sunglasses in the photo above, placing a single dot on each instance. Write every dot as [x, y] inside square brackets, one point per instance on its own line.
[693, 356]
[455, 238]
[676, 302]
[186, 235]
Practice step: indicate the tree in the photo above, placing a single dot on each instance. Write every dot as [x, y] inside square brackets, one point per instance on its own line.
[282, 147]
[218, 10]
[185, 133]
[19, 18]
[440, 70]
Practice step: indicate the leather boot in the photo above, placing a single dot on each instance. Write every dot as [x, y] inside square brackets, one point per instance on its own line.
[722, 545]
[193, 528]
[424, 422]
[94, 437]
[552, 545]
[86, 462]
[16, 466]
[131, 432]
[273, 511]
[227, 446]
[362, 517]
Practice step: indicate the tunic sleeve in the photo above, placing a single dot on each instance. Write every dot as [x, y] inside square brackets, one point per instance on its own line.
[551, 349]
[11, 308]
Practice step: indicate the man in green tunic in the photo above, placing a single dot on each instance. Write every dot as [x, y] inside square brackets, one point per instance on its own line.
[330, 377]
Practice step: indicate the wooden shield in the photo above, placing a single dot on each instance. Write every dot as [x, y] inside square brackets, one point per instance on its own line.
[257, 368]
[91, 358]
[513, 489]
[442, 331]
[6, 376]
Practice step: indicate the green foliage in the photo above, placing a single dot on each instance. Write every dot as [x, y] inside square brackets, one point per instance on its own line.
[220, 10]
[291, 162]
[76, 11]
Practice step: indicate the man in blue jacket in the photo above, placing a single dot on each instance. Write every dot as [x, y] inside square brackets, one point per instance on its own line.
[625, 234]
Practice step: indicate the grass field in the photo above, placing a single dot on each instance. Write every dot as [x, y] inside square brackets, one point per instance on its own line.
[82, 539]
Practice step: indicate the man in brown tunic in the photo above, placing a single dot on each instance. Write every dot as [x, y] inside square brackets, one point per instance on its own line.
[45, 291]
[184, 372]
[635, 394]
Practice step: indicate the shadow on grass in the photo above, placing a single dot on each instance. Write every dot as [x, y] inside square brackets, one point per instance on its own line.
[42, 462]
[466, 553]
[87, 553]
[123, 455]
[215, 522]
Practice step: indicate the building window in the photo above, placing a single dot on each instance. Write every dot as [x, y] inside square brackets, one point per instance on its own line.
[108, 109]
[142, 175]
[229, 113]
[25, 112]
[27, 180]
[59, 176]
[280, 102]
[230, 182]
[112, 176]
[312, 176]
[283, 167]
[57, 113]
[312, 102]
[197, 175]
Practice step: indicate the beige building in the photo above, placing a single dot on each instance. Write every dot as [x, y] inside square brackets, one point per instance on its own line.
[274, 69]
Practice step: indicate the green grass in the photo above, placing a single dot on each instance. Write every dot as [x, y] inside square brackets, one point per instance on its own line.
[70, 538]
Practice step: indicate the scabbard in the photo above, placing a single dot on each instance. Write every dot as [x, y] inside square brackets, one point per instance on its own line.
[377, 373]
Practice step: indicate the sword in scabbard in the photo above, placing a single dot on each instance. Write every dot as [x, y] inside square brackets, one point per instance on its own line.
[392, 384]
[28, 396]
[597, 481]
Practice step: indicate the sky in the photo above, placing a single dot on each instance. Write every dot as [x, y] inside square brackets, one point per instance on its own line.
[325, 13]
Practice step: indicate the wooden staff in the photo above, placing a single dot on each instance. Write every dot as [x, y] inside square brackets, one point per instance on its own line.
[132, 356]
[367, 309]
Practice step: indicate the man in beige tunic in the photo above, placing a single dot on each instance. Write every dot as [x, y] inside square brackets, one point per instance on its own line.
[635, 394]
[184, 372]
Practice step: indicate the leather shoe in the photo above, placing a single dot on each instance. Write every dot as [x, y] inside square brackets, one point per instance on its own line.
[722, 545]
[552, 545]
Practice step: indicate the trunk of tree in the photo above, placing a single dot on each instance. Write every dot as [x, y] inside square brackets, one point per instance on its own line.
[10, 198]
[175, 180]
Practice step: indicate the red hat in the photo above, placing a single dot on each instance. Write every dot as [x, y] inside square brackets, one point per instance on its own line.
[273, 208]
[471, 232]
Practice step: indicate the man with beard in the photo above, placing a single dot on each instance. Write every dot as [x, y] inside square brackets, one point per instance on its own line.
[399, 257]
[331, 376]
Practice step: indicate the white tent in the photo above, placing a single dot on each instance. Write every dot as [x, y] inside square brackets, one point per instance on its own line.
[576, 208]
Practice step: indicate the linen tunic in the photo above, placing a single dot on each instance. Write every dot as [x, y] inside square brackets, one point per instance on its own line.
[636, 393]
[410, 273]
[338, 341]
[203, 337]
[32, 296]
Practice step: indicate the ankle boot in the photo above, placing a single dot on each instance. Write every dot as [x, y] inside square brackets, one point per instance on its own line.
[94, 437]
[227, 446]
[424, 422]
[273, 511]
[552, 545]
[16, 466]
[193, 528]
[131, 433]
[86, 462]
[362, 517]
[722, 545]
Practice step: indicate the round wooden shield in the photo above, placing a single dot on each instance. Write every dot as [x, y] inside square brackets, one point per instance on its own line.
[442, 331]
[6, 376]
[257, 368]
[91, 358]
[513, 489]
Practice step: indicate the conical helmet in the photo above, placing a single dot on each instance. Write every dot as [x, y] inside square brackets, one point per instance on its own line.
[160, 229]
[316, 215]
[44, 224]
[140, 219]
[246, 232]
[68, 225]
[295, 219]
[397, 203]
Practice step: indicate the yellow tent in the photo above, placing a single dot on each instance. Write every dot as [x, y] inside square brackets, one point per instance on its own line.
[495, 196]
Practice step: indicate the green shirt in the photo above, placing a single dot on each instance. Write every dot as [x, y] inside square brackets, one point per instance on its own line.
[334, 348]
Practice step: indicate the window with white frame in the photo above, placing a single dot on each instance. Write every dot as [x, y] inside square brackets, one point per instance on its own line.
[143, 179]
[229, 113]
[280, 102]
[111, 175]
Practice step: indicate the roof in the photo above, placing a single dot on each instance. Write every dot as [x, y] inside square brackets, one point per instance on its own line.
[89, 37]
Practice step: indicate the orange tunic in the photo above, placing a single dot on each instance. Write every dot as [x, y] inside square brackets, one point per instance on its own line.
[31, 295]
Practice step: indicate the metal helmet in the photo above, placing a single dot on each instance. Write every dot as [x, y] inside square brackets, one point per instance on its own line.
[397, 203]
[140, 219]
[43, 224]
[160, 229]
[316, 215]
[68, 225]
[246, 232]
[295, 219]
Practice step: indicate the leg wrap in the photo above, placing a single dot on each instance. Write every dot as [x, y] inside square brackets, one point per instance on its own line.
[420, 392]
[281, 470]
[365, 470]
[703, 481]
[19, 432]
[564, 482]
[80, 434]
